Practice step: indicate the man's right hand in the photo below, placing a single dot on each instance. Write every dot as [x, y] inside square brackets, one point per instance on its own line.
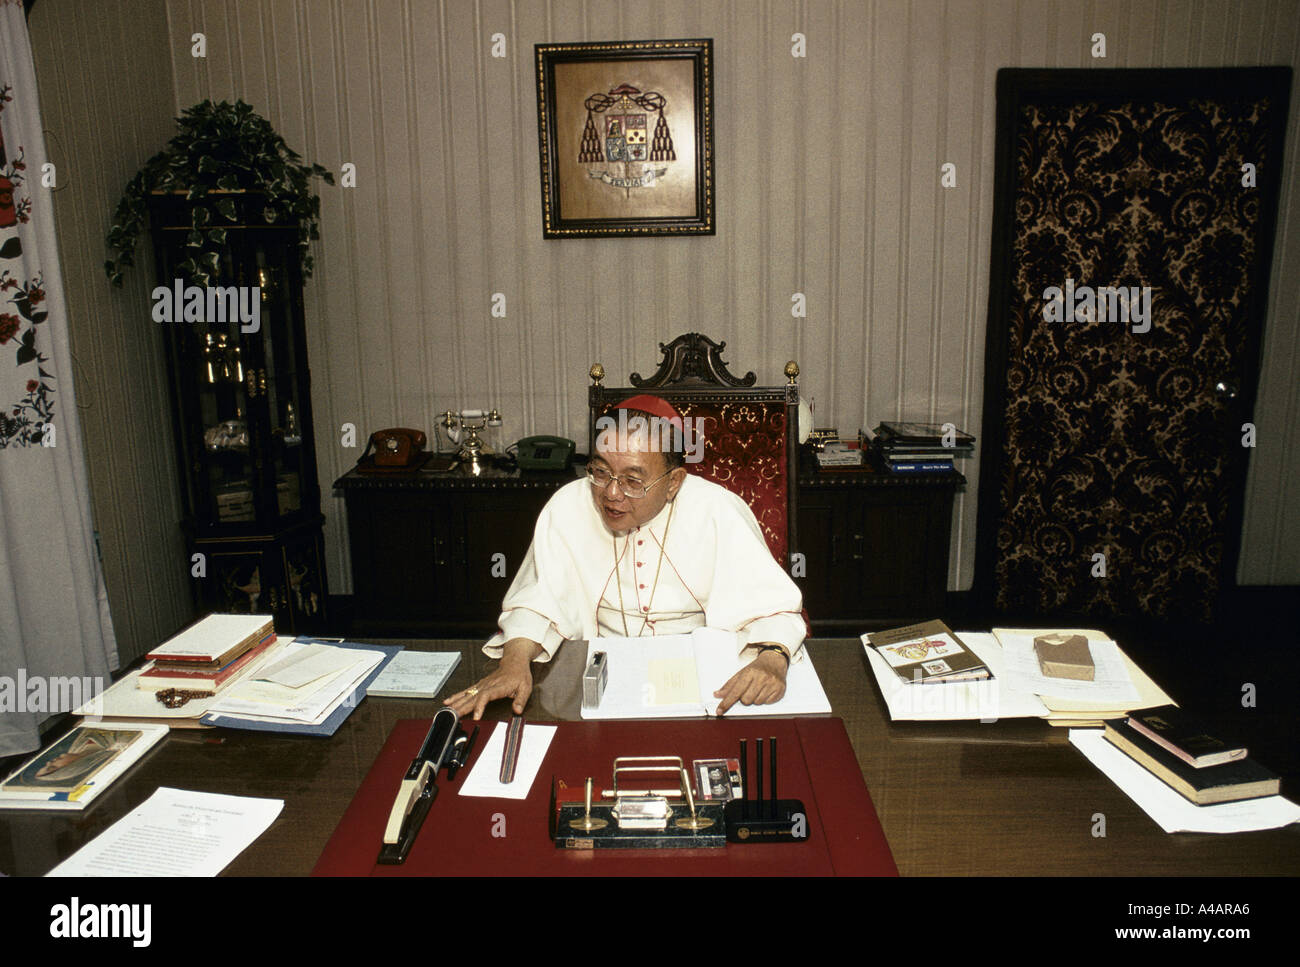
[513, 679]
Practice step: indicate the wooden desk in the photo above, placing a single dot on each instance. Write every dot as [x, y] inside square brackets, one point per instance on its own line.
[1008, 798]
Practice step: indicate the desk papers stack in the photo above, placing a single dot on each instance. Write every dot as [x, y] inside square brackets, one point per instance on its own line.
[219, 643]
[302, 688]
[1017, 690]
[296, 685]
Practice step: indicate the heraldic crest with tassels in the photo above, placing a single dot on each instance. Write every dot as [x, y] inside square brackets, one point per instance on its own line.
[630, 155]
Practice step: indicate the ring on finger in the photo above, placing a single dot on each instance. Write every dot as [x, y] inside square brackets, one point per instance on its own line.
[471, 691]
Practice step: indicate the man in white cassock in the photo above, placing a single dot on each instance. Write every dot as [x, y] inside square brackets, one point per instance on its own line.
[642, 548]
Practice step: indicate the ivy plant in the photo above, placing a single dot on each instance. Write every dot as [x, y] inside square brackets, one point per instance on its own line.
[220, 148]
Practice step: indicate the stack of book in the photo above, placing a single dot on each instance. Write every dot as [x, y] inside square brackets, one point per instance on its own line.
[209, 654]
[920, 447]
[1189, 758]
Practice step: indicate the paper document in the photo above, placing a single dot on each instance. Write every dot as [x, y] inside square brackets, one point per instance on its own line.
[987, 700]
[483, 779]
[1062, 709]
[1111, 682]
[306, 664]
[675, 676]
[1174, 812]
[415, 674]
[174, 833]
[314, 701]
[672, 681]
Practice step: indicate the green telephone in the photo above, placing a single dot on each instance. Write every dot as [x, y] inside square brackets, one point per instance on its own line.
[544, 453]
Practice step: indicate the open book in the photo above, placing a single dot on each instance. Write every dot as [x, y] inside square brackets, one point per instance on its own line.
[675, 676]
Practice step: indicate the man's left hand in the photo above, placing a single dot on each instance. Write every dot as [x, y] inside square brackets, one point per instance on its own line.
[761, 682]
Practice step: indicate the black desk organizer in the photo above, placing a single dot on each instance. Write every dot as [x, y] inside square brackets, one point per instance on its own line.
[760, 820]
[672, 819]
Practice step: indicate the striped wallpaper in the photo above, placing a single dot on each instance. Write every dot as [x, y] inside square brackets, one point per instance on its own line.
[828, 169]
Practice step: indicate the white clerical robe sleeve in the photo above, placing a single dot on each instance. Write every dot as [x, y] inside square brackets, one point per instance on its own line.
[751, 594]
[540, 603]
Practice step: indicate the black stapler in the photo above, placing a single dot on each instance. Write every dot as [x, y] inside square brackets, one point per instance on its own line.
[418, 789]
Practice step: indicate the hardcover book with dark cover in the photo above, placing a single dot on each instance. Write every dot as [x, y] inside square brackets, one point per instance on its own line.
[1171, 727]
[1242, 779]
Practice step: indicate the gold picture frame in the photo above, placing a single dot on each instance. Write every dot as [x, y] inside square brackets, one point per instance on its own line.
[625, 132]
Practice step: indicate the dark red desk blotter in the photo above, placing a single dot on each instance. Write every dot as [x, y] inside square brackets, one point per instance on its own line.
[471, 836]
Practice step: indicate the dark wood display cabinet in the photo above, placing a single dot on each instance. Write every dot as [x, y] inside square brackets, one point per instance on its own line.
[241, 406]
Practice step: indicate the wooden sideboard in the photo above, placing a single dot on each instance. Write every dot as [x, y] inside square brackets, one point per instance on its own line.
[433, 553]
[875, 547]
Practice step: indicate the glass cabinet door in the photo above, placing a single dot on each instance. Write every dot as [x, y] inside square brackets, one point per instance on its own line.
[220, 439]
[284, 375]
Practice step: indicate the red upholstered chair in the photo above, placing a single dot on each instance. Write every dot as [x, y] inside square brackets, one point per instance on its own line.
[750, 432]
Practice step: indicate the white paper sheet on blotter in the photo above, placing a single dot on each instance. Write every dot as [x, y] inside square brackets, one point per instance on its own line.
[675, 676]
[482, 779]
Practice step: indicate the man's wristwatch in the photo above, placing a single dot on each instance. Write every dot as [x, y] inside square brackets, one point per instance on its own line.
[778, 648]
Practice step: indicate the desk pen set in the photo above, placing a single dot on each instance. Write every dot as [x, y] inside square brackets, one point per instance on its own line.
[634, 815]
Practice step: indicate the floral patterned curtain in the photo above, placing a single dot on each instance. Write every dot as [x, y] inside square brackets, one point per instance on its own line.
[56, 636]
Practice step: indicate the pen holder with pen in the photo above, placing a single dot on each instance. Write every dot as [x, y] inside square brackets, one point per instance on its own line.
[759, 819]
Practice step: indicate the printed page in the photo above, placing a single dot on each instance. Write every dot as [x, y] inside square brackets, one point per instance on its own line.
[174, 833]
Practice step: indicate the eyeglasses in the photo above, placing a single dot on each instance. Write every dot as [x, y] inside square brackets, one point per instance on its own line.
[630, 487]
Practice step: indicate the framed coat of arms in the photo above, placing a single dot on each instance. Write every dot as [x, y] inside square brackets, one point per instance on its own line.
[625, 131]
